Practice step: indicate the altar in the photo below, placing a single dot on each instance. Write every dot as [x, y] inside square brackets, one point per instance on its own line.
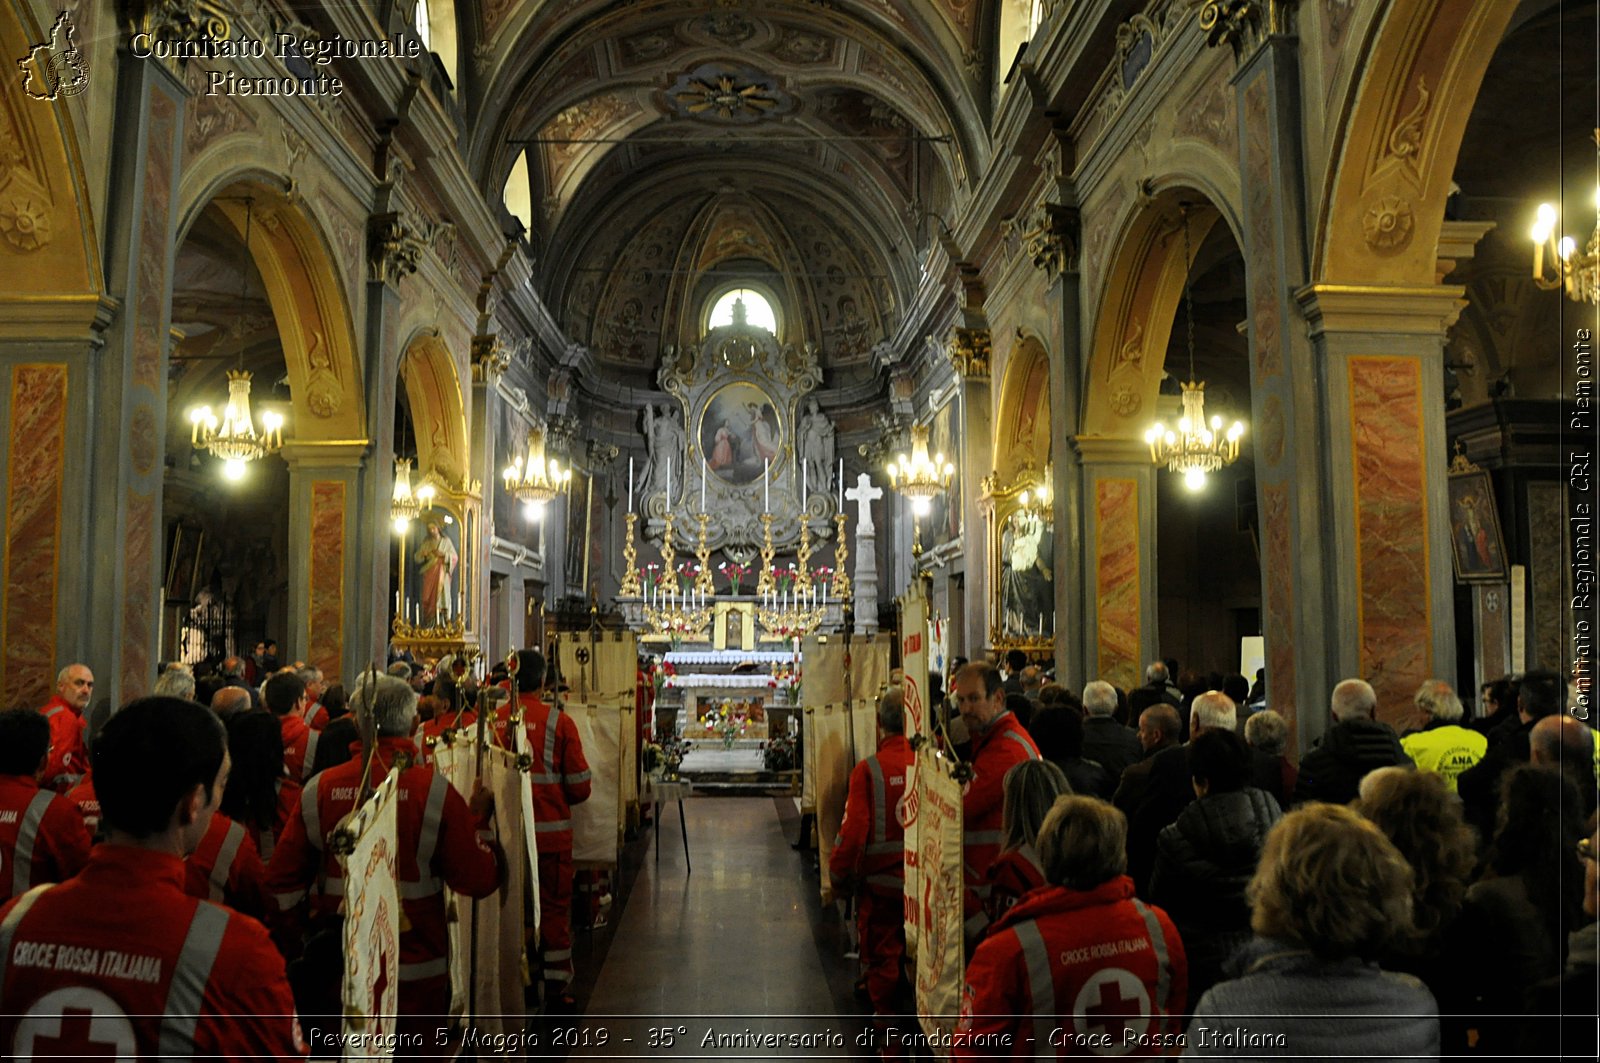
[731, 696]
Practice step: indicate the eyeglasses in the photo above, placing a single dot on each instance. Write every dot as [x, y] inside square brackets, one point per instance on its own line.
[1586, 851]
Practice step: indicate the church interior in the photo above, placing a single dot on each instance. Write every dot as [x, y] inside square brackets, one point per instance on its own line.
[808, 348]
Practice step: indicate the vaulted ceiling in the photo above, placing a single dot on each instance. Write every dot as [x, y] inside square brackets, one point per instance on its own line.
[796, 144]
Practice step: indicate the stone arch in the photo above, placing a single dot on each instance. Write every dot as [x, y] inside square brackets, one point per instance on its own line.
[1022, 435]
[1387, 182]
[428, 373]
[1134, 321]
[308, 303]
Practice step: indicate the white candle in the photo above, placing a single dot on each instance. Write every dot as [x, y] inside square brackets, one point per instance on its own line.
[1041, 623]
[766, 488]
[703, 473]
[805, 484]
[630, 483]
[841, 485]
[669, 480]
[396, 603]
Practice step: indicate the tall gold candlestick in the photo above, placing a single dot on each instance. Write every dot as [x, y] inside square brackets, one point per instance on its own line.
[630, 576]
[702, 550]
[802, 555]
[764, 583]
[841, 553]
[669, 565]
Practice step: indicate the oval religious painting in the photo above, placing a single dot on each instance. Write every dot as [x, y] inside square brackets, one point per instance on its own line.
[740, 432]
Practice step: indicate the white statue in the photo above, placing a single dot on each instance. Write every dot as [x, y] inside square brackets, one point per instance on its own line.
[663, 433]
[816, 448]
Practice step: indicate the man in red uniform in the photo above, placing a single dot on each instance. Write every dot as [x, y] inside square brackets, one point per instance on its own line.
[285, 695]
[1078, 967]
[442, 841]
[68, 758]
[560, 780]
[314, 715]
[42, 837]
[998, 741]
[869, 857]
[118, 960]
[225, 867]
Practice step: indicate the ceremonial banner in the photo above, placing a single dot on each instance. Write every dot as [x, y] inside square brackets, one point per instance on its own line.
[833, 760]
[486, 936]
[936, 900]
[597, 666]
[869, 665]
[914, 657]
[864, 728]
[597, 824]
[823, 660]
[371, 926]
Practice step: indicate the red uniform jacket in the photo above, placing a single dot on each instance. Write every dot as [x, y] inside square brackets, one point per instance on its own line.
[560, 774]
[438, 844]
[120, 961]
[299, 746]
[68, 759]
[226, 868]
[870, 848]
[993, 753]
[466, 719]
[1082, 972]
[83, 796]
[1014, 873]
[316, 717]
[42, 837]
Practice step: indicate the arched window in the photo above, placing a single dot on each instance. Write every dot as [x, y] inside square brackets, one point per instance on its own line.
[757, 311]
[424, 30]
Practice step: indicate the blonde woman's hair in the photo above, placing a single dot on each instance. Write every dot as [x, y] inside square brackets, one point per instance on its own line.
[1031, 788]
[1331, 882]
[1083, 842]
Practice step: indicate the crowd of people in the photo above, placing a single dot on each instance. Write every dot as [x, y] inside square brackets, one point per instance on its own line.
[1152, 870]
[215, 822]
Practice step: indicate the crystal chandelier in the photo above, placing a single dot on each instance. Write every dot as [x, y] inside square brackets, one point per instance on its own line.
[407, 504]
[918, 477]
[1556, 261]
[538, 481]
[234, 438]
[1197, 447]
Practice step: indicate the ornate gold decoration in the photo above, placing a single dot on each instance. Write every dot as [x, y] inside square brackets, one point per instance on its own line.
[490, 358]
[802, 557]
[1405, 139]
[393, 248]
[1049, 237]
[1461, 463]
[727, 96]
[969, 351]
[1578, 273]
[25, 223]
[703, 582]
[1388, 224]
[630, 558]
[764, 582]
[841, 553]
[1125, 401]
[1243, 24]
[181, 20]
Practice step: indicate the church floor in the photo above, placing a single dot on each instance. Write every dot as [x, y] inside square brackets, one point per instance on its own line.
[739, 948]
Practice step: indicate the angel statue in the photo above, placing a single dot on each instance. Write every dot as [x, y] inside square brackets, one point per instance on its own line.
[816, 448]
[663, 431]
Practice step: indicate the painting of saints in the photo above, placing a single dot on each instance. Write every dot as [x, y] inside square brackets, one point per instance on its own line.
[722, 449]
[1475, 529]
[739, 432]
[436, 559]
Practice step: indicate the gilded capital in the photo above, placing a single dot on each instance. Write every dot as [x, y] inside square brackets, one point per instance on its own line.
[1244, 24]
[968, 350]
[490, 358]
[393, 248]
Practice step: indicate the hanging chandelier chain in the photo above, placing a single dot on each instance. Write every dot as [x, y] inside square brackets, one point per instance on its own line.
[1188, 292]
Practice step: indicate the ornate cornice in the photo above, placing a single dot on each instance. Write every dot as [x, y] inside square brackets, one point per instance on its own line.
[1244, 25]
[969, 351]
[1048, 235]
[490, 358]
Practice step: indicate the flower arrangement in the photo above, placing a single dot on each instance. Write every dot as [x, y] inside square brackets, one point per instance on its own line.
[728, 722]
[673, 749]
[779, 754]
[783, 578]
[734, 573]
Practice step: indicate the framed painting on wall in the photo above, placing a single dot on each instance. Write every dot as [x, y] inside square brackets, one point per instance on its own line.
[1476, 544]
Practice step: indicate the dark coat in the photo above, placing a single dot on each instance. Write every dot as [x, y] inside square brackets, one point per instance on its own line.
[1204, 861]
[1106, 740]
[1479, 785]
[1167, 792]
[1333, 771]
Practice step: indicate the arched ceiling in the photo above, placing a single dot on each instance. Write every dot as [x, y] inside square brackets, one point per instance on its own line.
[794, 143]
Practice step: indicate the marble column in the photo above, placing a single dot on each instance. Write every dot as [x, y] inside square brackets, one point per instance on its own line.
[1117, 611]
[489, 360]
[969, 351]
[1384, 512]
[122, 539]
[327, 541]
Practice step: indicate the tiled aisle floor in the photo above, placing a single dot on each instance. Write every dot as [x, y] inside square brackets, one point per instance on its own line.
[731, 948]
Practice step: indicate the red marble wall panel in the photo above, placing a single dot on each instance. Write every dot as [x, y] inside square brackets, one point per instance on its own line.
[137, 669]
[1391, 528]
[1277, 573]
[38, 440]
[1117, 581]
[1265, 304]
[326, 623]
[154, 235]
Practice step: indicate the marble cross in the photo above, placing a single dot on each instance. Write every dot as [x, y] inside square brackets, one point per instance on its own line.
[863, 494]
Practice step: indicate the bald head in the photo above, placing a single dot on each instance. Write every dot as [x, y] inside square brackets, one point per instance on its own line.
[1353, 699]
[1560, 737]
[1212, 711]
[1159, 727]
[230, 700]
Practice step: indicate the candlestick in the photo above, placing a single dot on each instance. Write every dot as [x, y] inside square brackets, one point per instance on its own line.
[630, 484]
[764, 581]
[841, 551]
[630, 571]
[669, 563]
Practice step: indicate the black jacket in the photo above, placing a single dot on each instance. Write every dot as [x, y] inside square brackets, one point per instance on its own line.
[1106, 740]
[1333, 771]
[1479, 785]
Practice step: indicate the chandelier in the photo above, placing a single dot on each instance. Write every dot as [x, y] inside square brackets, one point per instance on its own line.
[538, 481]
[408, 504]
[918, 477]
[1035, 500]
[1564, 267]
[1197, 447]
[234, 438]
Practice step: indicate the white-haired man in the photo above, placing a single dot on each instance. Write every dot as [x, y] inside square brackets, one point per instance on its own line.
[1104, 739]
[1443, 746]
[69, 757]
[1356, 744]
[1171, 788]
